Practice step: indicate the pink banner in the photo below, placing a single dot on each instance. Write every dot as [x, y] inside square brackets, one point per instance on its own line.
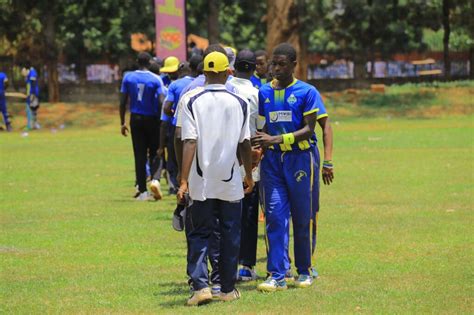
[170, 28]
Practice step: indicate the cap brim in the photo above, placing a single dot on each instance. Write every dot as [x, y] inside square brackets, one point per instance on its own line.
[169, 69]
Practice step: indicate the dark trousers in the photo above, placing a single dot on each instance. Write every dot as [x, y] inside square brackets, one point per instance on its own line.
[171, 163]
[248, 245]
[145, 138]
[201, 222]
[3, 109]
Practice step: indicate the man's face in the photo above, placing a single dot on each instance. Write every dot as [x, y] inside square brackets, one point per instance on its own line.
[24, 72]
[282, 67]
[262, 66]
[174, 75]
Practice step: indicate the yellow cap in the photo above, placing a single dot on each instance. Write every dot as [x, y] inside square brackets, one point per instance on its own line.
[216, 62]
[171, 65]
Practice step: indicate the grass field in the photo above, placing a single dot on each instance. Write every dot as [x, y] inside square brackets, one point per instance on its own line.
[395, 228]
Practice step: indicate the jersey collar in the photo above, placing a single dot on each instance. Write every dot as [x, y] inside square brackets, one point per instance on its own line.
[274, 82]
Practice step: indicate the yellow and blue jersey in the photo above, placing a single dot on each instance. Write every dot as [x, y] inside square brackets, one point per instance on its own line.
[283, 111]
[257, 82]
[32, 83]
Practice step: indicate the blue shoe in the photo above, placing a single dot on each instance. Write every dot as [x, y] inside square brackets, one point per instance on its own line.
[246, 274]
[272, 285]
[304, 281]
[314, 273]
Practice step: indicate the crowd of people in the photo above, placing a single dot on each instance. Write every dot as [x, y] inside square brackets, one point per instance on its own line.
[235, 132]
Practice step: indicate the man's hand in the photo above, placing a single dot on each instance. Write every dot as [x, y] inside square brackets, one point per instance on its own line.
[183, 189]
[124, 130]
[248, 184]
[263, 140]
[328, 175]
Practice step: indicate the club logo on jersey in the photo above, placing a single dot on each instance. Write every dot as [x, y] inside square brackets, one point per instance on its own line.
[280, 116]
[291, 99]
[170, 38]
[299, 175]
[267, 100]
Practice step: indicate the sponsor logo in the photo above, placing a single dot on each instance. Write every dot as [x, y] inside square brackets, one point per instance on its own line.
[280, 116]
[299, 175]
[291, 99]
[170, 38]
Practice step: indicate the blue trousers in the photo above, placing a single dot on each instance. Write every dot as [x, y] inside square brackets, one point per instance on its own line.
[201, 221]
[3, 109]
[290, 187]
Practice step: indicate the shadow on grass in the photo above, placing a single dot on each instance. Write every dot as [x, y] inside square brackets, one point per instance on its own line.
[178, 290]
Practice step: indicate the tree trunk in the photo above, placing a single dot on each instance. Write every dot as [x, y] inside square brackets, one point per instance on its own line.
[471, 62]
[370, 36]
[51, 56]
[213, 22]
[447, 32]
[283, 25]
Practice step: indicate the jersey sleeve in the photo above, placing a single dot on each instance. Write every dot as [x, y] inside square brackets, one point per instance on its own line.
[310, 105]
[261, 111]
[164, 116]
[170, 95]
[189, 128]
[124, 86]
[322, 110]
[253, 106]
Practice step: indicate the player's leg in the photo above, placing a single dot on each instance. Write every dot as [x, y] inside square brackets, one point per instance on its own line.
[229, 214]
[199, 228]
[299, 174]
[153, 136]
[140, 151]
[214, 256]
[277, 213]
[172, 166]
[3, 109]
[315, 207]
[249, 235]
[29, 115]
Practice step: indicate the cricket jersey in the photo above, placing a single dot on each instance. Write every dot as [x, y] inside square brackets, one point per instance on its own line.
[32, 83]
[143, 88]
[283, 111]
[3, 79]
[257, 82]
[174, 91]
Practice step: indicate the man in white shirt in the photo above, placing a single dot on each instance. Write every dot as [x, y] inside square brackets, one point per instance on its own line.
[215, 124]
[245, 65]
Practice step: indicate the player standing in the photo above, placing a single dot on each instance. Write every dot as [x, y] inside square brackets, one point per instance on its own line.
[3, 100]
[260, 75]
[210, 172]
[146, 92]
[32, 96]
[290, 168]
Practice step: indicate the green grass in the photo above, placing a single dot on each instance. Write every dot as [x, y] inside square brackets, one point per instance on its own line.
[395, 228]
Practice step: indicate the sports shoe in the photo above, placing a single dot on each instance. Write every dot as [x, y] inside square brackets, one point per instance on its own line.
[304, 281]
[9, 127]
[272, 285]
[200, 297]
[144, 196]
[231, 296]
[178, 218]
[314, 273]
[216, 291]
[289, 276]
[246, 274]
[155, 188]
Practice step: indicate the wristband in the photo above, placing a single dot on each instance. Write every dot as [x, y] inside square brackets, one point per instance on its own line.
[328, 164]
[288, 138]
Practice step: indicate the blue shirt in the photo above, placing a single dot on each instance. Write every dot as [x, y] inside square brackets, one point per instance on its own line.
[257, 82]
[200, 80]
[3, 78]
[174, 91]
[32, 82]
[166, 79]
[144, 88]
[284, 109]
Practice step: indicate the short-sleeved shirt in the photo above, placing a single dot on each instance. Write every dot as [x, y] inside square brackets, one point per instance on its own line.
[174, 91]
[32, 82]
[283, 111]
[215, 168]
[3, 79]
[143, 88]
[257, 81]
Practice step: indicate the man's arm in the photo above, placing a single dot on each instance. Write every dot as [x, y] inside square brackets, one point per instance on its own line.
[264, 140]
[328, 171]
[123, 107]
[245, 152]
[178, 149]
[189, 149]
[163, 131]
[167, 108]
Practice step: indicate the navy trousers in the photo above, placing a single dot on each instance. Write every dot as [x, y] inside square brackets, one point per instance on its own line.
[201, 224]
[249, 235]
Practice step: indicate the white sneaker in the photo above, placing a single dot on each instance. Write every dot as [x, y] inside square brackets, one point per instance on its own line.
[144, 196]
[231, 296]
[155, 188]
[200, 297]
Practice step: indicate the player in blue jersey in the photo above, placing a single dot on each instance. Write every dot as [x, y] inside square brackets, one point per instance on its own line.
[146, 93]
[260, 75]
[169, 71]
[290, 168]
[3, 100]
[32, 96]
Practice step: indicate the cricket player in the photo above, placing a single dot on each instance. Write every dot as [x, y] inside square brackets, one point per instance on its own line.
[290, 168]
[3, 100]
[260, 75]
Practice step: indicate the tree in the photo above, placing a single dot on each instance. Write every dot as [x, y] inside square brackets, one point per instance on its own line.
[447, 32]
